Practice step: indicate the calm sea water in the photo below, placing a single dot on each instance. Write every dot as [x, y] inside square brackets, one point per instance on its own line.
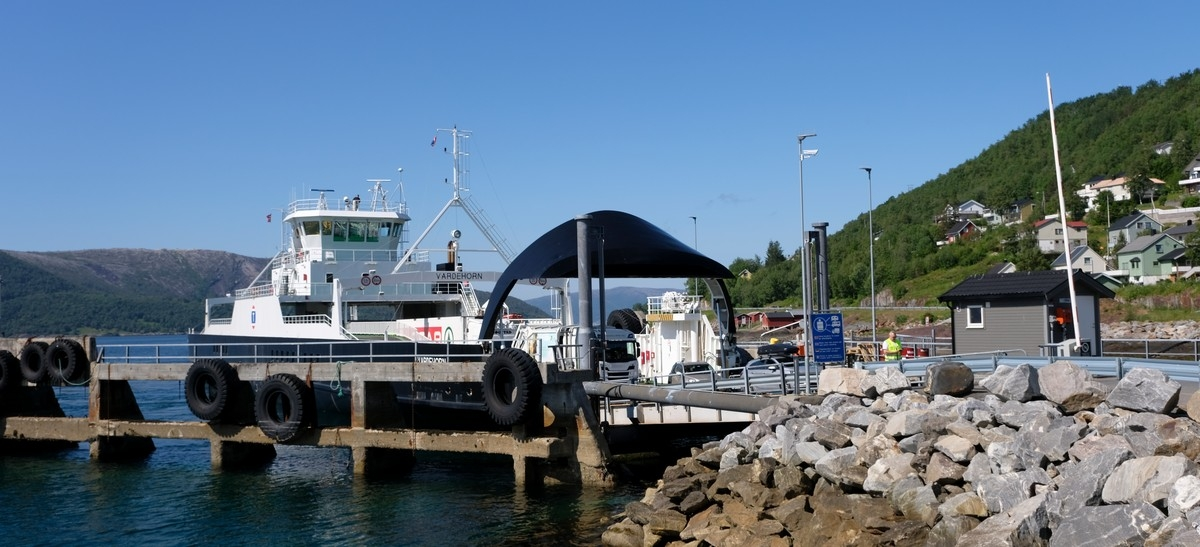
[306, 496]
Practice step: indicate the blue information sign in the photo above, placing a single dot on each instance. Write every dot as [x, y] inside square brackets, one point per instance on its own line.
[827, 338]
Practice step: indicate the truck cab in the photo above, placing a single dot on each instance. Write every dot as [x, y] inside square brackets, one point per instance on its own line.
[615, 358]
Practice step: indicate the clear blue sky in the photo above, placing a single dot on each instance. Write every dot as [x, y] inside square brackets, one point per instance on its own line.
[181, 125]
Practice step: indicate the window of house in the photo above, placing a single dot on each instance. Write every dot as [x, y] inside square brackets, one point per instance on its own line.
[1087, 260]
[974, 317]
[1158, 247]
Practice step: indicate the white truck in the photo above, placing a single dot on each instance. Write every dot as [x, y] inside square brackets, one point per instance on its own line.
[551, 343]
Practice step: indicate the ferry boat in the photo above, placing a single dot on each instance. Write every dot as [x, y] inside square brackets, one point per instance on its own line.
[349, 288]
[347, 276]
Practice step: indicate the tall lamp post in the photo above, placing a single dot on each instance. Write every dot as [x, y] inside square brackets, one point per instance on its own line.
[696, 247]
[806, 284]
[871, 246]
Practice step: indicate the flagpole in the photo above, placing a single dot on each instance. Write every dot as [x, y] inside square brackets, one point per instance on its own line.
[1062, 215]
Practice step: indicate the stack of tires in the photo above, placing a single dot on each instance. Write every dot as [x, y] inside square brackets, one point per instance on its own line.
[284, 406]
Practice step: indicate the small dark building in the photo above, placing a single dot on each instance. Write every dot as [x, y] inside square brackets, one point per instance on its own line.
[1024, 311]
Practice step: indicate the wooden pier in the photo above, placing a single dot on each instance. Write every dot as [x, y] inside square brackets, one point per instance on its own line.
[567, 445]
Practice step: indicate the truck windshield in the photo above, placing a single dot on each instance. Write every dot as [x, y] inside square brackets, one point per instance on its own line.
[619, 351]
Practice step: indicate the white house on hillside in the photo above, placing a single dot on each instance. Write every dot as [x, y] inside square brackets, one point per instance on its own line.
[1049, 234]
[1191, 176]
[1082, 258]
[1118, 187]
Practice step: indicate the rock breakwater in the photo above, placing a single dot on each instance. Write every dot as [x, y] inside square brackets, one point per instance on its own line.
[1044, 456]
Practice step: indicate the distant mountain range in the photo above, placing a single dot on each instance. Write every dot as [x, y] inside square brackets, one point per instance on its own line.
[144, 291]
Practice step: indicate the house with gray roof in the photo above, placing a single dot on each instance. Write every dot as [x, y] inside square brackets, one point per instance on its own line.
[1131, 226]
[1024, 311]
[1141, 260]
[1191, 176]
[1082, 258]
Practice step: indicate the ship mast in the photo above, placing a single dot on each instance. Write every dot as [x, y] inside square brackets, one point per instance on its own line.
[462, 201]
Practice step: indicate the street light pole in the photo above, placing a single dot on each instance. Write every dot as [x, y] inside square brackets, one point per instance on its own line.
[696, 247]
[806, 284]
[871, 246]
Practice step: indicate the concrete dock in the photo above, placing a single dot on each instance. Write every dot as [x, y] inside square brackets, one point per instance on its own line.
[567, 446]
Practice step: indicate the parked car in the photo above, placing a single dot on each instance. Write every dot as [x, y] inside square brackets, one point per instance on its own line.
[692, 372]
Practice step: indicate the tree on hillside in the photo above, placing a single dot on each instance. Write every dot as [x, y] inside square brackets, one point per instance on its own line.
[1192, 247]
[774, 254]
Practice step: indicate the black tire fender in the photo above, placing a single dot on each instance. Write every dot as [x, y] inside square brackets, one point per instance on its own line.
[65, 361]
[33, 366]
[512, 386]
[10, 372]
[210, 389]
[284, 407]
[627, 319]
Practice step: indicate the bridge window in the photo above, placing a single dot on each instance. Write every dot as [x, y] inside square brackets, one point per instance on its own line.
[326, 227]
[339, 230]
[312, 227]
[357, 231]
[372, 231]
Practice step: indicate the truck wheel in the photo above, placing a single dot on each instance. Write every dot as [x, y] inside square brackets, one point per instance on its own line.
[66, 362]
[33, 366]
[627, 319]
[10, 372]
[512, 386]
[209, 387]
[284, 406]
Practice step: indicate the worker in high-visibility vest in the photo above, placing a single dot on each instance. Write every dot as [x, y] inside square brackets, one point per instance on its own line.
[891, 347]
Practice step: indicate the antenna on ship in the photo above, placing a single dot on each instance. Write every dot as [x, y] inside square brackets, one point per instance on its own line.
[499, 245]
[321, 204]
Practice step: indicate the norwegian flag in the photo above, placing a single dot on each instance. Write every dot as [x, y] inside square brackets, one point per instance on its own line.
[434, 141]
[268, 217]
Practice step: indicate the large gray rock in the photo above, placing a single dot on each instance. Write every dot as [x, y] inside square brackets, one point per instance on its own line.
[1070, 386]
[1145, 390]
[946, 532]
[956, 448]
[623, 534]
[884, 380]
[1004, 492]
[1108, 525]
[1080, 485]
[1174, 532]
[886, 471]
[1192, 407]
[910, 422]
[1184, 495]
[1025, 525]
[1147, 479]
[841, 380]
[841, 467]
[1050, 438]
[1019, 383]
[950, 378]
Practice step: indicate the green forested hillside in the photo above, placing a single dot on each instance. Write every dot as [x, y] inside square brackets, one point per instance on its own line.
[114, 290]
[1104, 135]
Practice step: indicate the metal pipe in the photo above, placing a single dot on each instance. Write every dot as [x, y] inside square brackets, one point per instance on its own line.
[735, 402]
[583, 250]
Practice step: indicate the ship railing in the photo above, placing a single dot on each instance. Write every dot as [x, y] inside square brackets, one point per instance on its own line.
[673, 302]
[255, 291]
[362, 255]
[318, 204]
[312, 319]
[221, 321]
[347, 351]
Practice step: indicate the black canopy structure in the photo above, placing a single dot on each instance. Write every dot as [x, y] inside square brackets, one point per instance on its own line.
[633, 248]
